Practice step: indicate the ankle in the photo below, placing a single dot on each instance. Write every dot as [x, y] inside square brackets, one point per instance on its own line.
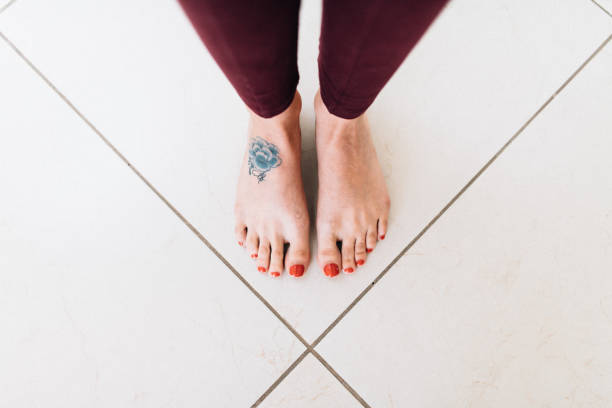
[282, 130]
[287, 119]
[335, 128]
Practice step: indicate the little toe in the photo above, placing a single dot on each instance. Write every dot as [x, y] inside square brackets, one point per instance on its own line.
[328, 255]
[360, 250]
[263, 256]
[252, 243]
[348, 255]
[241, 233]
[382, 228]
[276, 257]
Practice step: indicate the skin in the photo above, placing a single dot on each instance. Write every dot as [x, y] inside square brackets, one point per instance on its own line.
[353, 203]
[272, 213]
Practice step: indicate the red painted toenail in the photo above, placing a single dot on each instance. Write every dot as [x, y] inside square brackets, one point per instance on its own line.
[296, 270]
[275, 274]
[349, 270]
[240, 243]
[253, 255]
[360, 262]
[382, 236]
[331, 270]
[369, 250]
[261, 269]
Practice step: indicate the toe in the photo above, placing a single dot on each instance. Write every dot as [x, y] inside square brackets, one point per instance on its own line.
[328, 255]
[276, 257]
[360, 250]
[297, 257]
[263, 255]
[240, 231]
[382, 228]
[371, 238]
[348, 255]
[252, 243]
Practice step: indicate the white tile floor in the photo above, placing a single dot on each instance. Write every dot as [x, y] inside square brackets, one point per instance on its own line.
[109, 299]
[606, 5]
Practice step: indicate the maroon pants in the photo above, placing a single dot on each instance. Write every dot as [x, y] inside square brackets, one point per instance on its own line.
[362, 44]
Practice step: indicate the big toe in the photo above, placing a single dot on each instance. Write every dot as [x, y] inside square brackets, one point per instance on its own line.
[298, 255]
[328, 255]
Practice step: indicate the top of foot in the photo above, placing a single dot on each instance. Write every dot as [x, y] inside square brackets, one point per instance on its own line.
[270, 208]
[353, 203]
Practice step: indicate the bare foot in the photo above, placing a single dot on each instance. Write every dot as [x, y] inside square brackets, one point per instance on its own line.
[270, 202]
[353, 203]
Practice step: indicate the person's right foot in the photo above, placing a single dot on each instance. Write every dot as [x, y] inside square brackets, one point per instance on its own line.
[353, 203]
[270, 201]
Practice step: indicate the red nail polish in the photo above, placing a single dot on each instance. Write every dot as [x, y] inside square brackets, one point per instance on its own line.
[240, 243]
[349, 270]
[368, 250]
[261, 269]
[275, 274]
[382, 236]
[296, 270]
[331, 270]
[253, 256]
[360, 262]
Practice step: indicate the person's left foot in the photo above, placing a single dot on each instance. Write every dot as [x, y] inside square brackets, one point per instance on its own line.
[353, 203]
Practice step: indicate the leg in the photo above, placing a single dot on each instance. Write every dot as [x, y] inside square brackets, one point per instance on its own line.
[361, 46]
[255, 44]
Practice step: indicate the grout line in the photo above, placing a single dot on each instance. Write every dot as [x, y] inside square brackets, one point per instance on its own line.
[161, 197]
[340, 379]
[601, 7]
[459, 194]
[309, 348]
[281, 378]
[7, 5]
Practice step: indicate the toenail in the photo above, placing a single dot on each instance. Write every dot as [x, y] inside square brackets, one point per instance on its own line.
[382, 236]
[360, 262]
[296, 270]
[368, 250]
[253, 255]
[349, 270]
[331, 270]
[275, 274]
[261, 269]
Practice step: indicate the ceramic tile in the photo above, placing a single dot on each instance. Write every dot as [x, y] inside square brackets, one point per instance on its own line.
[606, 4]
[106, 298]
[507, 300]
[139, 73]
[310, 385]
[4, 5]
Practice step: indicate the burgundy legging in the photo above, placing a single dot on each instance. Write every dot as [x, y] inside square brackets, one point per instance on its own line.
[362, 44]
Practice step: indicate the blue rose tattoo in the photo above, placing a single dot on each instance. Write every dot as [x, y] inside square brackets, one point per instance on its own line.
[263, 157]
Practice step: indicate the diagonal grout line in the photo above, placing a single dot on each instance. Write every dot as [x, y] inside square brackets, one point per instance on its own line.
[340, 379]
[460, 193]
[601, 7]
[161, 197]
[325, 364]
[7, 5]
[281, 378]
[414, 240]
[309, 348]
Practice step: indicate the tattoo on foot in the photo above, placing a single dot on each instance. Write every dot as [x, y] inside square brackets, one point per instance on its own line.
[263, 157]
